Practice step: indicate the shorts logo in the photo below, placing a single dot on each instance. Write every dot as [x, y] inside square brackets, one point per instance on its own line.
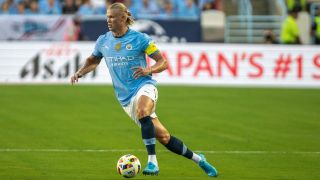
[129, 47]
[118, 46]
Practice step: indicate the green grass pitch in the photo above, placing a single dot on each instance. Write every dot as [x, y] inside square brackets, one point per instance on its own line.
[79, 132]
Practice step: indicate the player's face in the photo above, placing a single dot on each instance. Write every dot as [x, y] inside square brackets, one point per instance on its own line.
[115, 20]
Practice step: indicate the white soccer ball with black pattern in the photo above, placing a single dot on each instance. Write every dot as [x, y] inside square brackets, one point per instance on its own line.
[128, 166]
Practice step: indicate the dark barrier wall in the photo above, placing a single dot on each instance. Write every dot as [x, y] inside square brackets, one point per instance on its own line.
[159, 30]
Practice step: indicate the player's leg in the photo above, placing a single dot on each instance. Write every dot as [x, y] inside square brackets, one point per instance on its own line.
[177, 146]
[143, 112]
[172, 143]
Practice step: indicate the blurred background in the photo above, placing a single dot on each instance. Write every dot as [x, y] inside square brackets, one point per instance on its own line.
[223, 21]
[242, 87]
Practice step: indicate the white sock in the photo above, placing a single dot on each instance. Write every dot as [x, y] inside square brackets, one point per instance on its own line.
[196, 158]
[153, 158]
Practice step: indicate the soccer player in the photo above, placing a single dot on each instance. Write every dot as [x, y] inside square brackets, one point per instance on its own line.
[124, 51]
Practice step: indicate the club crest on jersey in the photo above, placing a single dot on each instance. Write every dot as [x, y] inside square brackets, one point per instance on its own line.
[129, 46]
[118, 46]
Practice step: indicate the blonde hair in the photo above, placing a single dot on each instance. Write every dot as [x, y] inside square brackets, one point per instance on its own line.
[124, 10]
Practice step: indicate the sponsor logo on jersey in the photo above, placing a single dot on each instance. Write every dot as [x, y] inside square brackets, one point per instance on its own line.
[119, 60]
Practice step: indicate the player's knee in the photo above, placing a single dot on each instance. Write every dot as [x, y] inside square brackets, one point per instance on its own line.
[163, 137]
[142, 112]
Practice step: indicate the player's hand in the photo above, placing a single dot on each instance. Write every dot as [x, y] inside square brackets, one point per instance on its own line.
[140, 71]
[74, 78]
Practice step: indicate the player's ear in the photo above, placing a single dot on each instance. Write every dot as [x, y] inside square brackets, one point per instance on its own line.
[124, 17]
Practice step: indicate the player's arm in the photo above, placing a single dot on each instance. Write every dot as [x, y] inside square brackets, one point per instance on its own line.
[91, 63]
[160, 65]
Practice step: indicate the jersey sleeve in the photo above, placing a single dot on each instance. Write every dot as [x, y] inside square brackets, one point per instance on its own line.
[149, 46]
[96, 52]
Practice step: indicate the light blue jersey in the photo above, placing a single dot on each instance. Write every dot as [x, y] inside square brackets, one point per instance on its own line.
[121, 54]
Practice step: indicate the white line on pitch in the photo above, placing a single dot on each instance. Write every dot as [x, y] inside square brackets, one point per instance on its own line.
[142, 150]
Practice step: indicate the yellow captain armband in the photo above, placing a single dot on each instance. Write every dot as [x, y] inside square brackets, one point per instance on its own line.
[152, 48]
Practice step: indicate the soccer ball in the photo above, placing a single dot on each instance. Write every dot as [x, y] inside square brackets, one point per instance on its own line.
[128, 166]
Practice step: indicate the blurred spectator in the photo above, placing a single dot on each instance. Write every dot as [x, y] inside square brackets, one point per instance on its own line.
[33, 7]
[26, 3]
[315, 30]
[50, 7]
[207, 4]
[148, 8]
[5, 8]
[299, 5]
[290, 29]
[188, 9]
[69, 7]
[130, 4]
[86, 8]
[78, 3]
[168, 10]
[21, 8]
[270, 37]
[103, 10]
[176, 4]
[8, 7]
